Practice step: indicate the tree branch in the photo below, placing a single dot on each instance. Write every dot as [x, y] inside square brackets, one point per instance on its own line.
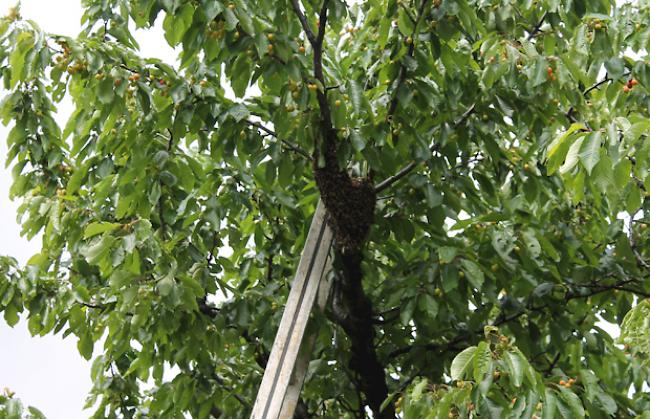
[585, 93]
[597, 85]
[237, 397]
[386, 183]
[537, 27]
[316, 41]
[571, 295]
[321, 95]
[303, 21]
[401, 77]
[553, 363]
[352, 310]
[322, 23]
[291, 146]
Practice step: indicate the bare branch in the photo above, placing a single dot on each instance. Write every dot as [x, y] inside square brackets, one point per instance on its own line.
[384, 184]
[325, 112]
[293, 147]
[537, 27]
[303, 21]
[597, 85]
[237, 397]
[570, 113]
[322, 23]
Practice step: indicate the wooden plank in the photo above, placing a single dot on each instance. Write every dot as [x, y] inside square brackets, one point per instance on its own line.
[280, 367]
[302, 364]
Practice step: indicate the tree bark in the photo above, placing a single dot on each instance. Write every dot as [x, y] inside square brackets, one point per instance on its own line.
[353, 312]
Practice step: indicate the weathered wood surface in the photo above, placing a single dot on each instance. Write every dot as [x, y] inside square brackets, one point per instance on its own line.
[285, 372]
[304, 357]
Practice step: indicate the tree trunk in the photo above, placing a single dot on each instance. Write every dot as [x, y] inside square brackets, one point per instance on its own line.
[353, 312]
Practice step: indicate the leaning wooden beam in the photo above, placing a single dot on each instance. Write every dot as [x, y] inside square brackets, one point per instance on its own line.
[282, 360]
[304, 357]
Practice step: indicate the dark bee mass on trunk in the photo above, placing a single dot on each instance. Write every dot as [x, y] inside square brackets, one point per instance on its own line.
[350, 204]
[350, 201]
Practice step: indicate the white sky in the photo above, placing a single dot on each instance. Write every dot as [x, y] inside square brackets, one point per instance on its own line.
[47, 372]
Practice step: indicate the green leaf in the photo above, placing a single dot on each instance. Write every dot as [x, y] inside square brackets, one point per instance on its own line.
[571, 158]
[573, 401]
[165, 285]
[11, 315]
[590, 382]
[428, 305]
[285, 172]
[404, 23]
[175, 25]
[231, 19]
[85, 346]
[635, 328]
[39, 259]
[13, 409]
[406, 313]
[474, 273]
[357, 142]
[557, 150]
[37, 414]
[356, 96]
[557, 143]
[105, 92]
[245, 20]
[515, 368]
[120, 278]
[634, 200]
[74, 183]
[24, 43]
[550, 405]
[607, 402]
[548, 247]
[539, 75]
[615, 67]
[99, 227]
[622, 173]
[603, 177]
[462, 363]
[384, 29]
[529, 372]
[239, 112]
[590, 151]
[447, 254]
[98, 250]
[241, 75]
[482, 361]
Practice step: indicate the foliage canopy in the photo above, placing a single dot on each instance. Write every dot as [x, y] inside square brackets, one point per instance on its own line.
[485, 147]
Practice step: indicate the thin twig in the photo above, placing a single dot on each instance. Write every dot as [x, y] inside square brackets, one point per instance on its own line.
[537, 27]
[585, 93]
[553, 363]
[408, 13]
[288, 144]
[237, 397]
